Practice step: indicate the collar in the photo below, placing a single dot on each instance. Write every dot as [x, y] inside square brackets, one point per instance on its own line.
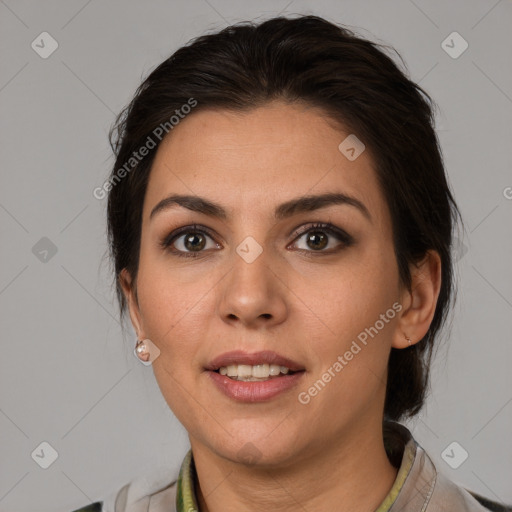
[399, 444]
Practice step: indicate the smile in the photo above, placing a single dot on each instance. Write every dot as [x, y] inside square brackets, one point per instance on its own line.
[253, 373]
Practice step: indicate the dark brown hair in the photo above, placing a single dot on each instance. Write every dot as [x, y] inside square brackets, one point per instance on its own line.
[310, 60]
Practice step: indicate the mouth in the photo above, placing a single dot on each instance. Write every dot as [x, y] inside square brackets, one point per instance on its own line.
[265, 365]
[255, 373]
[251, 383]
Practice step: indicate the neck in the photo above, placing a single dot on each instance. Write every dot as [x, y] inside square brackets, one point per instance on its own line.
[355, 472]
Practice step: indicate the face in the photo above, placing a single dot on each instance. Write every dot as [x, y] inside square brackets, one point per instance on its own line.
[252, 281]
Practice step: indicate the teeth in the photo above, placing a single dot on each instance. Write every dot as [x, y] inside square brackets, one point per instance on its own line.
[260, 371]
[256, 372]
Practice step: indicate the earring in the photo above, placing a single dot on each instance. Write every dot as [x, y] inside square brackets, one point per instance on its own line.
[408, 340]
[142, 351]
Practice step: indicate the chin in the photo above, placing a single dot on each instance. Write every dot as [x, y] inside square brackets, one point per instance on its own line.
[260, 447]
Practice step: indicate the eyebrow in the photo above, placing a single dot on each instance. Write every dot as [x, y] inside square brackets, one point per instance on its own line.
[293, 207]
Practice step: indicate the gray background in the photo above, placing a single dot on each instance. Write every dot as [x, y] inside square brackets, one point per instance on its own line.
[67, 374]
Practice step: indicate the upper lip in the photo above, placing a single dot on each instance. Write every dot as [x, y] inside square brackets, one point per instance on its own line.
[242, 357]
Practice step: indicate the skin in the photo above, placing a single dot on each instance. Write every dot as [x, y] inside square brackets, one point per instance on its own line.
[310, 309]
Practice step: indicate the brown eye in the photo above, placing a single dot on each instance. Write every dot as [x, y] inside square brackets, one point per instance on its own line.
[194, 242]
[317, 240]
[188, 242]
[318, 236]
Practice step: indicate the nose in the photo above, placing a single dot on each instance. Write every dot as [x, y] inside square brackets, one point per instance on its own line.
[254, 293]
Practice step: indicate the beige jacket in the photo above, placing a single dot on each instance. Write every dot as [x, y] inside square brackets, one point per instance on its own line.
[422, 488]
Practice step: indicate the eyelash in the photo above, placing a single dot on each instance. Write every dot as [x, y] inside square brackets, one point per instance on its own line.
[345, 239]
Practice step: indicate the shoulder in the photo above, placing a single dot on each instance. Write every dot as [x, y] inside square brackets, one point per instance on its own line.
[425, 488]
[154, 492]
[429, 489]
[452, 496]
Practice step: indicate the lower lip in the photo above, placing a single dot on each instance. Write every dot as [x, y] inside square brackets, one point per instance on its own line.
[254, 391]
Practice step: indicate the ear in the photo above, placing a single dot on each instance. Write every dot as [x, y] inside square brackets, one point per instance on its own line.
[419, 304]
[130, 293]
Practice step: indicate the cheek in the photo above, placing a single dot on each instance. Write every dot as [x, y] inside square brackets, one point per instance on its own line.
[345, 308]
[350, 357]
[172, 304]
[174, 319]
[348, 297]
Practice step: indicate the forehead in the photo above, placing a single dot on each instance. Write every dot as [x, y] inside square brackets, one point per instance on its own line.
[257, 159]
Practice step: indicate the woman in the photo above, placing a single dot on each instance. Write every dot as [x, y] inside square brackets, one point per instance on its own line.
[280, 224]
